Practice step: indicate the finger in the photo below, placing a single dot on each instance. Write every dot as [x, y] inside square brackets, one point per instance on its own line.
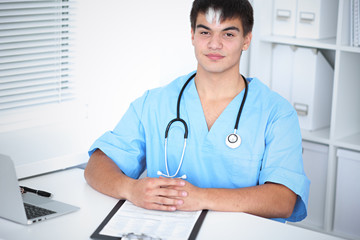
[162, 203]
[170, 182]
[161, 207]
[168, 201]
[169, 192]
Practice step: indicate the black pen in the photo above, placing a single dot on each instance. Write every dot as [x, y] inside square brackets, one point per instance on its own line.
[38, 192]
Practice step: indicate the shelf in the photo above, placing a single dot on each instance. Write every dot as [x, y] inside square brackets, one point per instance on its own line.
[351, 142]
[344, 131]
[320, 136]
[350, 49]
[323, 136]
[329, 44]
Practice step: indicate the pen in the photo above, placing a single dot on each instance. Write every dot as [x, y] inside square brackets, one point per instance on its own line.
[38, 192]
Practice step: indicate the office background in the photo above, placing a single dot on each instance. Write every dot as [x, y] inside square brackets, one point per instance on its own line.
[119, 49]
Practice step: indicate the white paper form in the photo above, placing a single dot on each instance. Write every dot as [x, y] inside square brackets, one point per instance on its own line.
[160, 224]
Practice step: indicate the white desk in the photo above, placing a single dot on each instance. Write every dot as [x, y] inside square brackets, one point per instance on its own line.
[69, 186]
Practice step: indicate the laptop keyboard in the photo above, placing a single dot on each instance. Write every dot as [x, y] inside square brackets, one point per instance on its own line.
[34, 211]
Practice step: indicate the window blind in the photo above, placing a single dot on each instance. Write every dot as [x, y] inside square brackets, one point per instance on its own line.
[36, 53]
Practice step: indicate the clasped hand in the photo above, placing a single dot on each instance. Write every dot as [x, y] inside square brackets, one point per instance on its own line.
[166, 194]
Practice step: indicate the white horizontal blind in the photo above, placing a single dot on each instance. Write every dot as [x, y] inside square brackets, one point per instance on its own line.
[35, 53]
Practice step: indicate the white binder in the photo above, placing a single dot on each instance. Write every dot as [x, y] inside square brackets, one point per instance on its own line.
[316, 19]
[315, 157]
[312, 88]
[355, 23]
[347, 207]
[282, 70]
[284, 17]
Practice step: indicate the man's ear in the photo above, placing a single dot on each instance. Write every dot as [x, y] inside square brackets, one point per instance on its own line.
[247, 41]
[192, 35]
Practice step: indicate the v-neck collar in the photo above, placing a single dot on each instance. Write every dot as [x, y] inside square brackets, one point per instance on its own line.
[192, 108]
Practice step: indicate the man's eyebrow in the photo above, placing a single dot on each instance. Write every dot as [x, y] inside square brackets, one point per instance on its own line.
[231, 28]
[202, 26]
[225, 29]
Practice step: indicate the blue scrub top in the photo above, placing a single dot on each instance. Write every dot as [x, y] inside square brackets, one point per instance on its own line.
[270, 150]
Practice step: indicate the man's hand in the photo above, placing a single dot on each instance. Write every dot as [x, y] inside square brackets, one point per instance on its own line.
[158, 193]
[195, 198]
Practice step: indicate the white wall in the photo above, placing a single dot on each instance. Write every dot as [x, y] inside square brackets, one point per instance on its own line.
[127, 47]
[123, 48]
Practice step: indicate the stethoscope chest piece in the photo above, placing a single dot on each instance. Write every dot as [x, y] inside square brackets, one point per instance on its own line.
[233, 140]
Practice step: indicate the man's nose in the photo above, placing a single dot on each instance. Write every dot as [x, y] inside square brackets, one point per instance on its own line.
[215, 42]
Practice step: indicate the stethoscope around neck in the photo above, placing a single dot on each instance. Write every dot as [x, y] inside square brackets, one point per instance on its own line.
[233, 140]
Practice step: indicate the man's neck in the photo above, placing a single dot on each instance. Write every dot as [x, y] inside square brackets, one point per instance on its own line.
[217, 86]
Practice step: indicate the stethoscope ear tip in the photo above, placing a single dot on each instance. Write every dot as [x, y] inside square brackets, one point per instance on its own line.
[167, 176]
[183, 176]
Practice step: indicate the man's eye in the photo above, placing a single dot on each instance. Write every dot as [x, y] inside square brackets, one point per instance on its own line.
[229, 34]
[204, 33]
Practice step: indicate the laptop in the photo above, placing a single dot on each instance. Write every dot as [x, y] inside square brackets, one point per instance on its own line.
[25, 208]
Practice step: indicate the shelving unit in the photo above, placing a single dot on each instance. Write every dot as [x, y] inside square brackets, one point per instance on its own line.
[344, 129]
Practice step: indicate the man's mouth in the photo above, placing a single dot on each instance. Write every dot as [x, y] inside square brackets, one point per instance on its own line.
[214, 56]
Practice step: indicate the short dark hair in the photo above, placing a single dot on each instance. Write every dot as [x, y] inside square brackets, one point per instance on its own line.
[241, 9]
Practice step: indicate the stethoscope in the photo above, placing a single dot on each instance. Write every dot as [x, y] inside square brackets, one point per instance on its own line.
[233, 140]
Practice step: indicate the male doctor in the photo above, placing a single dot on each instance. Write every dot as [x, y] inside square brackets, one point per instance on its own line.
[263, 175]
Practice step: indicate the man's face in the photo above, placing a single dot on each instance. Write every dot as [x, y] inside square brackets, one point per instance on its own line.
[218, 45]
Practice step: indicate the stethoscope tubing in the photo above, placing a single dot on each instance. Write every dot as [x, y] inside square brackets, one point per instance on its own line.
[180, 95]
[176, 120]
[181, 160]
[241, 105]
[179, 119]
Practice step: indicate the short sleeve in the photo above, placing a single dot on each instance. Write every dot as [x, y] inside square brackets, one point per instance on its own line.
[282, 161]
[125, 145]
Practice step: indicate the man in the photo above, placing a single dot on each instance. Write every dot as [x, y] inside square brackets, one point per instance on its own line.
[263, 175]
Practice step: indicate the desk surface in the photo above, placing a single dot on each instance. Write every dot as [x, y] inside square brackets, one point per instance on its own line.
[69, 186]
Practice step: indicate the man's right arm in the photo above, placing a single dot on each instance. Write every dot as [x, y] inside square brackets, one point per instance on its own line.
[105, 176]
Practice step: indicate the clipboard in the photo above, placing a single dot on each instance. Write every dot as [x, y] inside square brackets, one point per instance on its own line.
[97, 234]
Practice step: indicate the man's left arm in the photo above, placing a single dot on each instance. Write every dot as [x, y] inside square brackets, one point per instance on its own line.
[269, 200]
